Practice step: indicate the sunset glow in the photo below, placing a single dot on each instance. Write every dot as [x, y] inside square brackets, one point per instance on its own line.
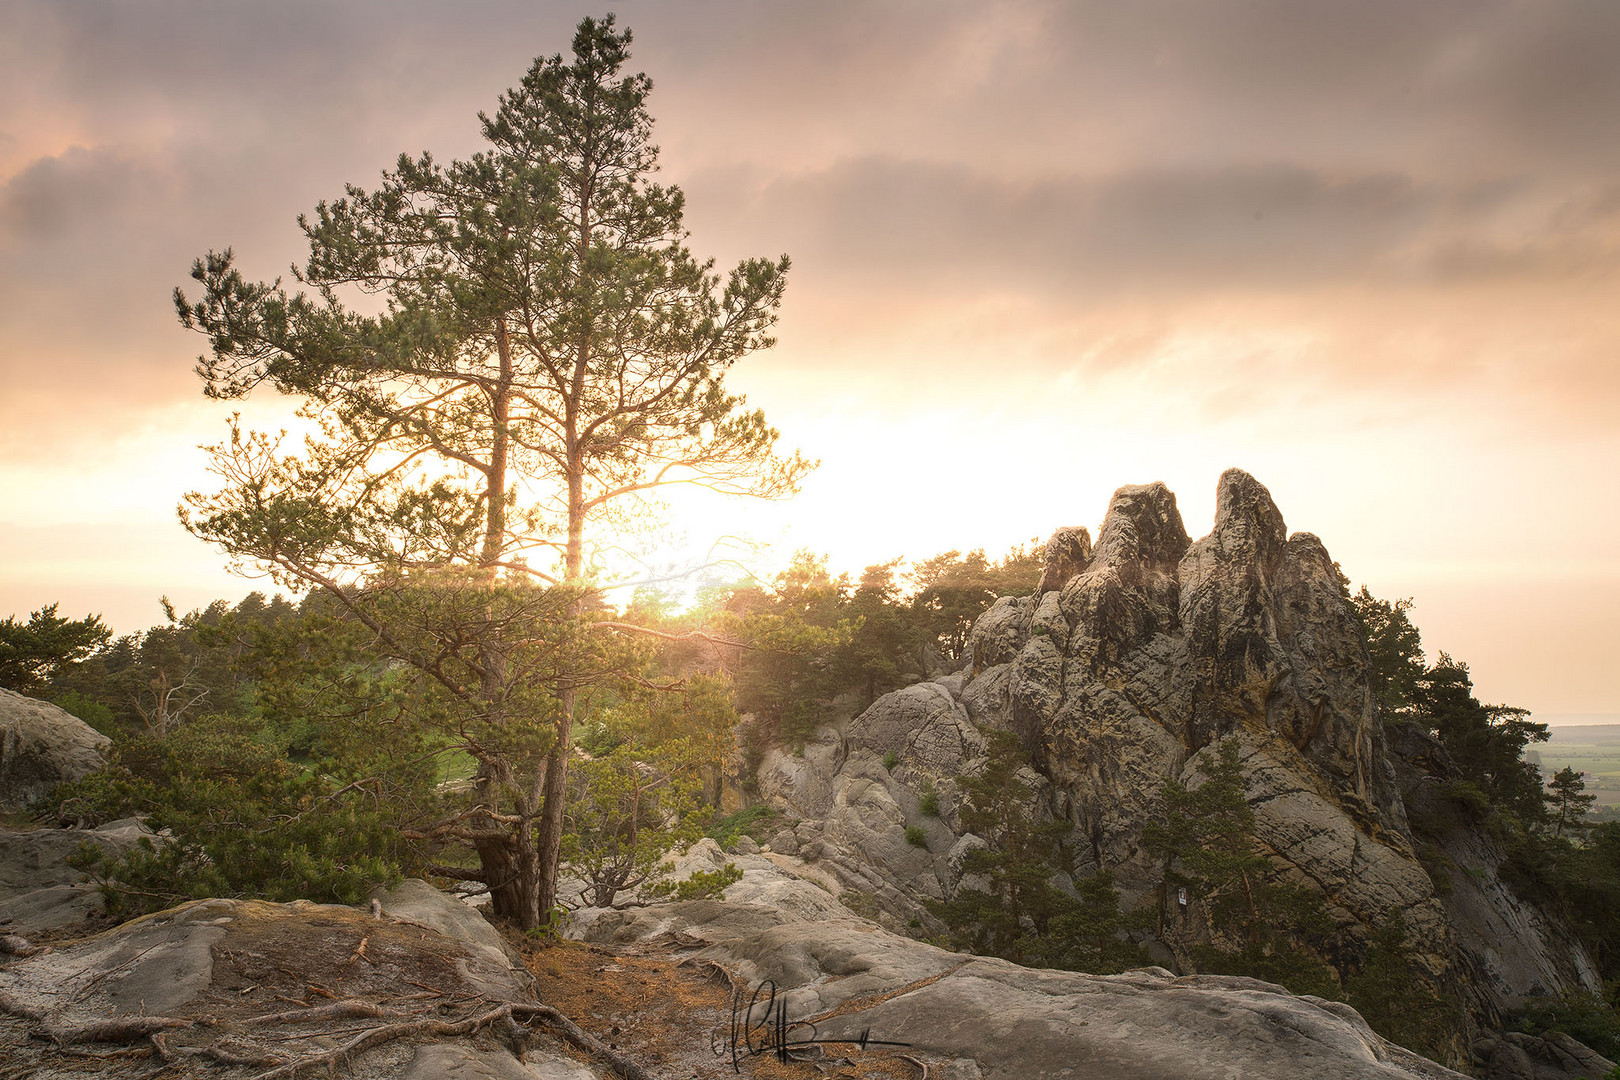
[1366, 252]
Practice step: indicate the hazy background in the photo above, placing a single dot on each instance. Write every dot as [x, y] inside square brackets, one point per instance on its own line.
[1365, 251]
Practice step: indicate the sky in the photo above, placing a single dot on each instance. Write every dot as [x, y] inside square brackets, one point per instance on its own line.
[1367, 252]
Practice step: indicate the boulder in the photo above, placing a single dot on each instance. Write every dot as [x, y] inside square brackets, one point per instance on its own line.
[1066, 554]
[39, 891]
[923, 726]
[42, 746]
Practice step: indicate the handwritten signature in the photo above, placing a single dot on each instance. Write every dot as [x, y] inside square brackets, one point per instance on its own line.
[760, 1025]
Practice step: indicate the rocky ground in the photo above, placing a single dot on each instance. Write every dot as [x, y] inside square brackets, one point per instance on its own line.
[420, 987]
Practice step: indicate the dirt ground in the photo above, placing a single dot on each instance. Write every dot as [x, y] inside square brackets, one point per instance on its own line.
[673, 1015]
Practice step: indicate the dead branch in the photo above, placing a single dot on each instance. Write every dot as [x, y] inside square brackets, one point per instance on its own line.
[689, 635]
[581, 1039]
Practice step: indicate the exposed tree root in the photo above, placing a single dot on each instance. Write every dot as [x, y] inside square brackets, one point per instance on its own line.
[12, 1007]
[378, 1036]
[12, 945]
[507, 1017]
[123, 1029]
[346, 1009]
[583, 1040]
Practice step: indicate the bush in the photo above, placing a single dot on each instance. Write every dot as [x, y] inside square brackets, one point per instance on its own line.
[1580, 1014]
[757, 822]
[245, 820]
[916, 837]
[702, 885]
[928, 801]
[861, 903]
[890, 760]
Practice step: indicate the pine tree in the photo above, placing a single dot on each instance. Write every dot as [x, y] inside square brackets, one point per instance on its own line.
[548, 350]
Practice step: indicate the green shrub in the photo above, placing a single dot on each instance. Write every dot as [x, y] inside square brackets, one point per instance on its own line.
[928, 801]
[245, 820]
[702, 885]
[1580, 1014]
[757, 822]
[890, 760]
[916, 837]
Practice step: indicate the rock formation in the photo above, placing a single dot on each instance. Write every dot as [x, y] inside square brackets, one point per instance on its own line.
[42, 746]
[1134, 661]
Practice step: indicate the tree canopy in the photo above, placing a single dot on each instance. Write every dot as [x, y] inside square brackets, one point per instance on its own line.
[33, 652]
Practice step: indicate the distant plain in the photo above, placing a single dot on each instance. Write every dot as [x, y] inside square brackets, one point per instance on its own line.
[1592, 749]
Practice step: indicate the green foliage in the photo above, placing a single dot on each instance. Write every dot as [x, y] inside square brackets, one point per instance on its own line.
[928, 801]
[155, 680]
[1389, 989]
[35, 652]
[916, 837]
[954, 589]
[623, 819]
[860, 902]
[95, 713]
[1023, 853]
[1594, 1019]
[757, 822]
[814, 636]
[1395, 649]
[1486, 742]
[1090, 934]
[638, 799]
[546, 350]
[891, 758]
[1580, 880]
[1261, 926]
[791, 675]
[1569, 801]
[884, 637]
[1023, 915]
[245, 820]
[700, 885]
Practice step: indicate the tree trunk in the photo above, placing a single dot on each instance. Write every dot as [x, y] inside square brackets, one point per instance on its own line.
[508, 861]
[510, 868]
[548, 841]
